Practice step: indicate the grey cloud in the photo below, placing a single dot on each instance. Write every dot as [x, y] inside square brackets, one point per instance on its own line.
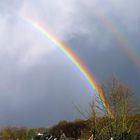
[38, 82]
[106, 55]
[36, 96]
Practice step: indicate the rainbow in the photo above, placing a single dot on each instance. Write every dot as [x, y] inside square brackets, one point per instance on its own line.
[73, 58]
[107, 22]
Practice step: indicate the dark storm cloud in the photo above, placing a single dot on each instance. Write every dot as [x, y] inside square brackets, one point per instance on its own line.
[106, 55]
[38, 82]
[43, 94]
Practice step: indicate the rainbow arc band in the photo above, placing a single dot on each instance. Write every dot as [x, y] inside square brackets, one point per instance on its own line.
[73, 58]
[117, 32]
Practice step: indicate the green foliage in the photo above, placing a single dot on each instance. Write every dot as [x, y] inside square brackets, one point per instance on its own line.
[30, 134]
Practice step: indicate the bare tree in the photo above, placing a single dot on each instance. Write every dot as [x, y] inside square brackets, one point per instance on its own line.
[119, 98]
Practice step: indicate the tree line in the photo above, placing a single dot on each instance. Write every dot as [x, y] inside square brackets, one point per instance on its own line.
[124, 126]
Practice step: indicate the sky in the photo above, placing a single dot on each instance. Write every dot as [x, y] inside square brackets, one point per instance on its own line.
[38, 84]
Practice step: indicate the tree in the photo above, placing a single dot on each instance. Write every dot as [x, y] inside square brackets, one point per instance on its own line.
[71, 129]
[22, 134]
[6, 134]
[119, 98]
[30, 134]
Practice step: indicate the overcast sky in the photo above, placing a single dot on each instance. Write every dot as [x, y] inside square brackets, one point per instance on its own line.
[38, 83]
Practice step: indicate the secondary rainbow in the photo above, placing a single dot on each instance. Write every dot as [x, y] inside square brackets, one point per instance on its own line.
[123, 40]
[73, 58]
